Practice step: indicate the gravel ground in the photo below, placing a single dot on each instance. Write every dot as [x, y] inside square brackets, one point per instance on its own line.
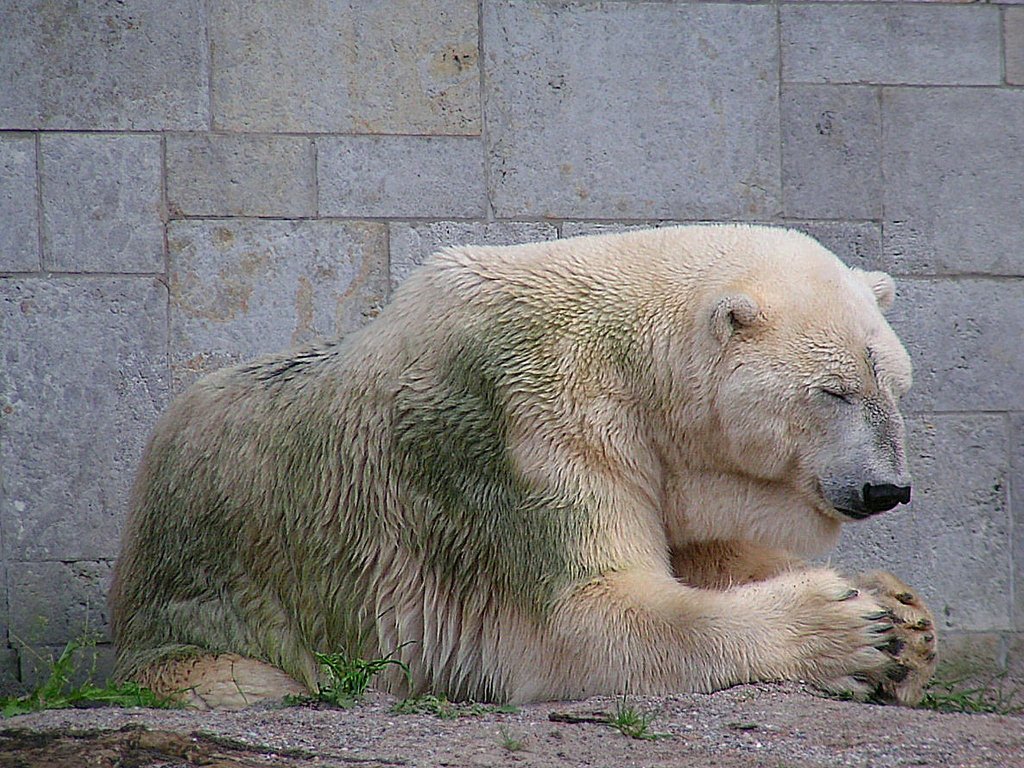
[775, 726]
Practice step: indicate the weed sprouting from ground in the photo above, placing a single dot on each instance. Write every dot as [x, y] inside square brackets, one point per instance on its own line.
[439, 706]
[56, 691]
[347, 678]
[509, 742]
[631, 722]
[957, 695]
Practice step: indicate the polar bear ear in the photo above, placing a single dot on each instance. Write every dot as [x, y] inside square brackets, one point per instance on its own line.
[732, 312]
[881, 285]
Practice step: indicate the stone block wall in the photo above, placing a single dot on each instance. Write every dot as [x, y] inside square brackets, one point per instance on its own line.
[186, 184]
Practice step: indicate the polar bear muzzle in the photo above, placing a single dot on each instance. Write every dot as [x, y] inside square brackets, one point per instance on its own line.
[872, 499]
[883, 497]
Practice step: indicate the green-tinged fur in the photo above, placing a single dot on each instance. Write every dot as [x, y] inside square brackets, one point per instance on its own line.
[258, 473]
[476, 515]
[231, 529]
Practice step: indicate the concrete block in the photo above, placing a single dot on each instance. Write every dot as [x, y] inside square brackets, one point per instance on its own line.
[240, 175]
[10, 674]
[970, 659]
[54, 602]
[369, 67]
[19, 235]
[964, 338]
[579, 228]
[401, 176]
[5, 602]
[831, 143]
[1013, 44]
[858, 244]
[104, 66]
[93, 663]
[954, 170]
[952, 542]
[925, 44]
[1016, 427]
[83, 377]
[242, 288]
[632, 110]
[411, 244]
[102, 203]
[1015, 662]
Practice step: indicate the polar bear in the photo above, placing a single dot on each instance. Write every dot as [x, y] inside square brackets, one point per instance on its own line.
[547, 471]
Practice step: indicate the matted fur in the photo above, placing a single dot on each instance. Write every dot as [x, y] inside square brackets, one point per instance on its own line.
[547, 471]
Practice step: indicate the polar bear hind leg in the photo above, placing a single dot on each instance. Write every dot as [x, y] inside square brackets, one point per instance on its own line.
[206, 680]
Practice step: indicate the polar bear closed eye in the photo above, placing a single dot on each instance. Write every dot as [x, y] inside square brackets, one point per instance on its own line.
[547, 471]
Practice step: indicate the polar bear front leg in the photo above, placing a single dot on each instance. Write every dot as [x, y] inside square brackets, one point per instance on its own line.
[647, 633]
[725, 564]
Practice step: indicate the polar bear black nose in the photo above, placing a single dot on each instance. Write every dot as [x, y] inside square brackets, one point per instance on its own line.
[879, 498]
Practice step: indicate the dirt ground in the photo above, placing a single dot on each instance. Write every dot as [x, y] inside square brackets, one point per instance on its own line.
[774, 726]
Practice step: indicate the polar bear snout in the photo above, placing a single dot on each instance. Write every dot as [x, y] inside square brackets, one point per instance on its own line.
[883, 497]
[872, 499]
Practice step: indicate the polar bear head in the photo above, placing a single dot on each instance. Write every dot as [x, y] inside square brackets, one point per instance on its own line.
[785, 381]
[808, 378]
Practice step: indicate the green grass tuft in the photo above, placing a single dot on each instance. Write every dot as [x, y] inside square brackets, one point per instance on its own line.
[509, 742]
[631, 722]
[56, 692]
[347, 678]
[956, 695]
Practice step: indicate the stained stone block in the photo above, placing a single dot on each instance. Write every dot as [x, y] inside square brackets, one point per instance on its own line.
[831, 142]
[1016, 427]
[242, 288]
[238, 175]
[79, 610]
[411, 244]
[1015, 660]
[401, 176]
[93, 663]
[102, 203]
[632, 110]
[971, 659]
[953, 541]
[83, 377]
[954, 169]
[19, 215]
[964, 338]
[5, 602]
[890, 43]
[95, 66]
[370, 67]
[10, 682]
[1013, 44]
[858, 244]
[578, 228]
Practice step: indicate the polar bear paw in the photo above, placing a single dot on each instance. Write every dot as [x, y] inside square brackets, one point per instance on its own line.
[912, 644]
[869, 638]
